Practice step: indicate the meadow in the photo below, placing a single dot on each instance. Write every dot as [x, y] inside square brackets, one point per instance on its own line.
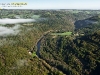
[64, 33]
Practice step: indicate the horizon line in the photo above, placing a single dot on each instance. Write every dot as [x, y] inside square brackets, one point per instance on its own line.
[48, 9]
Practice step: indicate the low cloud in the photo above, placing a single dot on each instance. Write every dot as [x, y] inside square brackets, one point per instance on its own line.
[5, 31]
[14, 21]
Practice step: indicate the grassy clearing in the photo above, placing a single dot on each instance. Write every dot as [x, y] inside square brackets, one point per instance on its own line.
[35, 16]
[34, 54]
[65, 33]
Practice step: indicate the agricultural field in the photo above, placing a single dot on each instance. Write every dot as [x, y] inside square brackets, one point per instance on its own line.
[62, 34]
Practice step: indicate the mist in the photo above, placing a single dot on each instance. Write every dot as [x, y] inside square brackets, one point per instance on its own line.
[5, 31]
[15, 21]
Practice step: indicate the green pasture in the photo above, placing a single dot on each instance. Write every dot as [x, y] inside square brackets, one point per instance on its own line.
[65, 33]
[34, 54]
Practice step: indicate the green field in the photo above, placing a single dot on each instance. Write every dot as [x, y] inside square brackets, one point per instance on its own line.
[65, 33]
[35, 16]
[34, 54]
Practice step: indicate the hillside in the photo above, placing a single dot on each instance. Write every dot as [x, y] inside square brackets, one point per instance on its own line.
[86, 22]
[78, 56]
[88, 26]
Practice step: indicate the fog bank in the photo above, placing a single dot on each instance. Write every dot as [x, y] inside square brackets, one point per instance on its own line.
[4, 31]
[14, 21]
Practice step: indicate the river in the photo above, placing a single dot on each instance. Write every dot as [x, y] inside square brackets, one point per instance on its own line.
[39, 42]
[38, 48]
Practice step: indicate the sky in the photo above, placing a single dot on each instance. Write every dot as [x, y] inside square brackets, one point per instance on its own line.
[54, 4]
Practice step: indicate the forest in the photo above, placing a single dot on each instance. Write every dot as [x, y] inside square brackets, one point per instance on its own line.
[67, 42]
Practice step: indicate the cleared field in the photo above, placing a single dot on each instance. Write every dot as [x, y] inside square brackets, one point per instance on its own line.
[65, 33]
[34, 54]
[35, 16]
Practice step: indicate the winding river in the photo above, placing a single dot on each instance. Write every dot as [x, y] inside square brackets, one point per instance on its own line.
[51, 68]
[38, 47]
[39, 42]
